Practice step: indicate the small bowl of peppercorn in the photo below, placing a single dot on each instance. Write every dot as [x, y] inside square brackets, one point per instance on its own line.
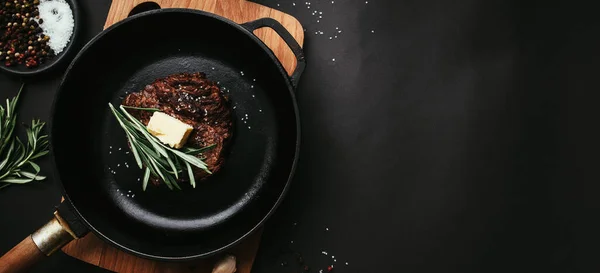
[36, 35]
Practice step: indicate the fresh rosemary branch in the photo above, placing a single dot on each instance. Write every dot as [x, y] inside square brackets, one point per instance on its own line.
[15, 157]
[153, 156]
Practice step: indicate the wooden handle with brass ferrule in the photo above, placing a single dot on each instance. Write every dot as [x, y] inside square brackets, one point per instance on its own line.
[45, 241]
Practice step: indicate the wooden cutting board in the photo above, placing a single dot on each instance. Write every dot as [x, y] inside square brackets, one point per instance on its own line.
[93, 250]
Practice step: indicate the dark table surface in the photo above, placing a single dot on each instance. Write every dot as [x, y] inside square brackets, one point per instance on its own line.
[444, 137]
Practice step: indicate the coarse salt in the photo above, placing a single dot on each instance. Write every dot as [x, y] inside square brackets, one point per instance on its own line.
[58, 23]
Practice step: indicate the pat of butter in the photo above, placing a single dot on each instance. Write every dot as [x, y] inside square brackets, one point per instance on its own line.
[169, 130]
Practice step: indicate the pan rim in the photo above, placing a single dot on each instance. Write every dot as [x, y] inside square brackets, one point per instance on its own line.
[266, 49]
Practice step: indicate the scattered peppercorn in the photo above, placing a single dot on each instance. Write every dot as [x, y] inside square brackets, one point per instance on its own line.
[21, 38]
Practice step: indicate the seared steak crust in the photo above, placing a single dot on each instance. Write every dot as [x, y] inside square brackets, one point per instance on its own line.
[194, 100]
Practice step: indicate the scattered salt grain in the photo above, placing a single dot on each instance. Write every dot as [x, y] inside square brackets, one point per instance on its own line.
[58, 23]
[324, 253]
[346, 263]
[249, 127]
[334, 61]
[372, 31]
[293, 4]
[253, 96]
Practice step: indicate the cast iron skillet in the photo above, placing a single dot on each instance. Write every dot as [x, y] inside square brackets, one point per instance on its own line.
[89, 147]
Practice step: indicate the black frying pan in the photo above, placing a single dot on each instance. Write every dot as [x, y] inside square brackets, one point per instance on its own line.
[89, 147]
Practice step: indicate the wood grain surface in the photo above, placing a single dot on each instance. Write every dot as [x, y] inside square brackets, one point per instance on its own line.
[93, 250]
[239, 11]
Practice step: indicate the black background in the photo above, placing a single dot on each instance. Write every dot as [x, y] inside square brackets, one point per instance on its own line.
[447, 136]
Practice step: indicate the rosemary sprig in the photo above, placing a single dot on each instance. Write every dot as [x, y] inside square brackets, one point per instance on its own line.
[153, 156]
[16, 158]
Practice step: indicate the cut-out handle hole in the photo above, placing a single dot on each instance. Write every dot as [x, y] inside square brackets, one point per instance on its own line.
[143, 7]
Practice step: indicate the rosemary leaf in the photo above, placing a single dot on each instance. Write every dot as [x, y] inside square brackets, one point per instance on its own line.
[36, 167]
[142, 108]
[146, 178]
[190, 174]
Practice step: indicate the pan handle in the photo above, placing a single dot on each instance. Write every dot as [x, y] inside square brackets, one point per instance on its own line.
[287, 38]
[45, 241]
